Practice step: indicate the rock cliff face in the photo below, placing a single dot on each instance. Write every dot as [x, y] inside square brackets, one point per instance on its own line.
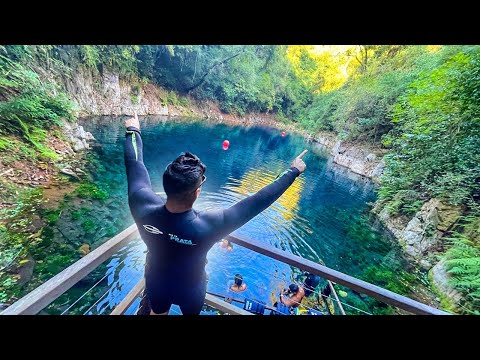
[77, 136]
[421, 236]
[422, 239]
[107, 94]
[361, 159]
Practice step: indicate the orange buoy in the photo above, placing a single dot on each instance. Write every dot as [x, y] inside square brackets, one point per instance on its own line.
[226, 144]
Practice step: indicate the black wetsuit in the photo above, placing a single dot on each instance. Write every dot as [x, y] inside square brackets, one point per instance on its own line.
[178, 242]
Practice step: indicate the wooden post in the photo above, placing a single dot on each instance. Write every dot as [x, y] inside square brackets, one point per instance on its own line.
[129, 299]
[336, 297]
[224, 306]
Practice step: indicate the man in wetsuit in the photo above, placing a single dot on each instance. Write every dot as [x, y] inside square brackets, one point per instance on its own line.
[178, 238]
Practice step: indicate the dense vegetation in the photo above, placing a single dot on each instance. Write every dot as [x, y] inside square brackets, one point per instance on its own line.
[28, 106]
[422, 103]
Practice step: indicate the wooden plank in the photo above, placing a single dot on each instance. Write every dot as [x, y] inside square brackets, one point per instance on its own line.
[224, 306]
[46, 293]
[358, 285]
[336, 297]
[236, 300]
[129, 299]
[209, 299]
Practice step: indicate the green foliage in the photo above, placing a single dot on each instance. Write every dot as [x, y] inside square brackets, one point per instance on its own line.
[52, 215]
[25, 97]
[407, 202]
[28, 201]
[463, 260]
[80, 213]
[90, 55]
[172, 98]
[134, 99]
[16, 238]
[28, 105]
[55, 263]
[119, 58]
[5, 143]
[88, 225]
[241, 78]
[436, 136]
[434, 153]
[362, 108]
[92, 191]
[399, 281]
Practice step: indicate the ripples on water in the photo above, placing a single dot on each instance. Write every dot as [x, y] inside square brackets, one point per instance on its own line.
[311, 219]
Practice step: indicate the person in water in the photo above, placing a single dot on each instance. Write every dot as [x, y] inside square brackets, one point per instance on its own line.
[310, 283]
[225, 244]
[178, 237]
[292, 296]
[235, 286]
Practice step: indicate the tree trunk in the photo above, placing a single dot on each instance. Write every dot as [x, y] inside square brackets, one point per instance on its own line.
[202, 79]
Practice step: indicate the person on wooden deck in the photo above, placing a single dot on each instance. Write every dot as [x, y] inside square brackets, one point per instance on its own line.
[178, 237]
[310, 283]
[292, 296]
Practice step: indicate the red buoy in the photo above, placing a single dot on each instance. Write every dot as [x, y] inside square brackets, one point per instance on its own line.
[226, 144]
[284, 133]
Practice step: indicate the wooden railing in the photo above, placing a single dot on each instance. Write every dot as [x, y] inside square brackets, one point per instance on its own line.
[46, 293]
[358, 285]
[35, 301]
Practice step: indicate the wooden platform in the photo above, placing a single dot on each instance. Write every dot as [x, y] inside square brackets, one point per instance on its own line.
[210, 300]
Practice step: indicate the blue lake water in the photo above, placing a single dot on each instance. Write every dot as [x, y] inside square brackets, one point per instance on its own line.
[314, 218]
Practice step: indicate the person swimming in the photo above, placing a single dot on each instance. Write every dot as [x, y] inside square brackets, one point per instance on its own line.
[235, 286]
[225, 244]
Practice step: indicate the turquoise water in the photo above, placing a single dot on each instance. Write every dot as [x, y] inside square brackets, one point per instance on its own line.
[317, 218]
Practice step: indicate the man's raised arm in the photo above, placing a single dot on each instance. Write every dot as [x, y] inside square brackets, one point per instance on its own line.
[245, 210]
[137, 174]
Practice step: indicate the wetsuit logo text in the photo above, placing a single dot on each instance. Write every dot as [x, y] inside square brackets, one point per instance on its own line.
[152, 229]
[180, 241]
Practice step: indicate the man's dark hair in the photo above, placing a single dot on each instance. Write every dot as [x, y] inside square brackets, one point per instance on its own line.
[238, 280]
[312, 280]
[183, 176]
[293, 288]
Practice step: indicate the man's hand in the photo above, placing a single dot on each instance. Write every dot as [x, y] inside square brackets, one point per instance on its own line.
[133, 121]
[298, 162]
